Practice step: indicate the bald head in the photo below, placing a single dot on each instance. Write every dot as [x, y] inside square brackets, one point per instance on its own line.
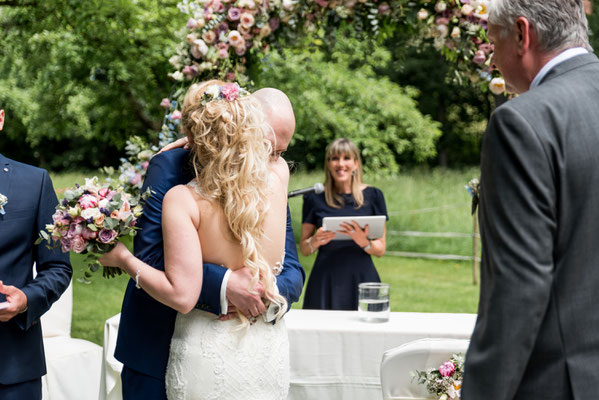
[279, 115]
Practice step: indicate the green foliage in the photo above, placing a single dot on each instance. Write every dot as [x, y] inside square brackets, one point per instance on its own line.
[336, 93]
[79, 77]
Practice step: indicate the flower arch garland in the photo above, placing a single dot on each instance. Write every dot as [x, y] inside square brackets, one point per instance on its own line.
[220, 36]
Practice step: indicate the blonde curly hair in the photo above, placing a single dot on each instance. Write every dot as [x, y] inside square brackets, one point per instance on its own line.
[230, 155]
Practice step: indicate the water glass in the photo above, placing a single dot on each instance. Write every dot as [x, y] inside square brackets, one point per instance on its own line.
[373, 301]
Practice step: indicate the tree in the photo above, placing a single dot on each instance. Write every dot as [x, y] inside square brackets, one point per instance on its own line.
[79, 77]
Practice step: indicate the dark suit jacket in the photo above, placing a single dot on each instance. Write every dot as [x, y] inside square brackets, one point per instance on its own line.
[31, 203]
[146, 325]
[537, 333]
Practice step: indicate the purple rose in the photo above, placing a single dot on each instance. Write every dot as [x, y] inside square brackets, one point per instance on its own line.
[447, 369]
[75, 228]
[234, 13]
[66, 245]
[107, 235]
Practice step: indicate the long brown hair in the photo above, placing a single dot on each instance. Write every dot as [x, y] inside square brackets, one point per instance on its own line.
[342, 147]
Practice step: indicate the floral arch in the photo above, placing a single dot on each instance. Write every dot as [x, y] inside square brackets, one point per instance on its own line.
[221, 37]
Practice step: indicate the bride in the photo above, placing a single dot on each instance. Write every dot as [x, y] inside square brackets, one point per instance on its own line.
[233, 213]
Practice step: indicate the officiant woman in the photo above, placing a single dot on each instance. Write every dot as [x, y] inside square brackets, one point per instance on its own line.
[341, 264]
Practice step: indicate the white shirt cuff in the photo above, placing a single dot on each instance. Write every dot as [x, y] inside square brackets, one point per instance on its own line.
[224, 303]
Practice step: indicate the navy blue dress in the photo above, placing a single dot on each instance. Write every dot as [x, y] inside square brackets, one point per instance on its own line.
[341, 264]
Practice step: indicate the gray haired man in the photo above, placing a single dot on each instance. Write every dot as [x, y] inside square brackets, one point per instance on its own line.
[537, 333]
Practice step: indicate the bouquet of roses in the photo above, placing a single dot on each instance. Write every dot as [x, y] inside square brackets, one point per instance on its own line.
[446, 381]
[90, 219]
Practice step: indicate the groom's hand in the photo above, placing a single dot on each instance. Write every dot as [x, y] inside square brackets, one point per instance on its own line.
[16, 299]
[238, 294]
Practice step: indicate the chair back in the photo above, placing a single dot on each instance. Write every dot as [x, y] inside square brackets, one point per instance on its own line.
[396, 379]
[57, 320]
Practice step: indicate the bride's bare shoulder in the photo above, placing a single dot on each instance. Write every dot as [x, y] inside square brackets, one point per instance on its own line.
[182, 197]
[281, 170]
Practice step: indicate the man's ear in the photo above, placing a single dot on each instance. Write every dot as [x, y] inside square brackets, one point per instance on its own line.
[522, 31]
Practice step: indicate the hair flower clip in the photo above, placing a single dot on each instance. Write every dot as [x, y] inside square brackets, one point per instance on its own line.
[3, 201]
[228, 91]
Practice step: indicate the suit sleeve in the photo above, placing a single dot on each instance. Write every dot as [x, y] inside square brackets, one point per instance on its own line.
[54, 269]
[291, 280]
[518, 225]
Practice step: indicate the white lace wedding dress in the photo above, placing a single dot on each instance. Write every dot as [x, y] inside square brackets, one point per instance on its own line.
[210, 360]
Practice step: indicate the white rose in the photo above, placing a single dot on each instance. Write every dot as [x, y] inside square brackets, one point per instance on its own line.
[288, 4]
[467, 9]
[90, 213]
[177, 75]
[422, 14]
[497, 86]
[234, 38]
[442, 30]
[482, 9]
[455, 32]
[440, 7]
[200, 47]
[213, 91]
[175, 61]
[192, 37]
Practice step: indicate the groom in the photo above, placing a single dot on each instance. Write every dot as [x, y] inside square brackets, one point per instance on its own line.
[146, 325]
[537, 333]
[27, 202]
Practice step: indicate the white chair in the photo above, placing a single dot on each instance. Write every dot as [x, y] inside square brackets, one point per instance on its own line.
[74, 365]
[396, 378]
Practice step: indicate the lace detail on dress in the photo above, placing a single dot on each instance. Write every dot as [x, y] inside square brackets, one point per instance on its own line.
[210, 359]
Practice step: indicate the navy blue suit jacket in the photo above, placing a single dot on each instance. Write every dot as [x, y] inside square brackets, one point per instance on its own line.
[146, 325]
[31, 203]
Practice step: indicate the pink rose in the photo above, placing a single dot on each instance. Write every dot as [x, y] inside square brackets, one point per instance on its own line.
[135, 180]
[107, 235]
[230, 76]
[190, 71]
[230, 91]
[88, 234]
[145, 164]
[192, 24]
[486, 47]
[322, 3]
[58, 216]
[165, 103]
[176, 114]
[240, 50]
[274, 23]
[447, 369]
[88, 201]
[384, 9]
[223, 53]
[79, 244]
[104, 191]
[479, 57]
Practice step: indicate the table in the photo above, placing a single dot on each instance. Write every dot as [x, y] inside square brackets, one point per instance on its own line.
[333, 354]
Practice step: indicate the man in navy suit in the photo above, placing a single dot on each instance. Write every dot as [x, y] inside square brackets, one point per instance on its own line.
[30, 203]
[146, 325]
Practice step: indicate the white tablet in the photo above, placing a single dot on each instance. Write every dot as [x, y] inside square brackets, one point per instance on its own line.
[376, 224]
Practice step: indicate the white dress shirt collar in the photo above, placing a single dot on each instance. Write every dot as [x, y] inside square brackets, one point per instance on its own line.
[561, 57]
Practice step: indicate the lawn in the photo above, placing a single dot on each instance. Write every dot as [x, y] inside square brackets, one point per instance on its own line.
[420, 200]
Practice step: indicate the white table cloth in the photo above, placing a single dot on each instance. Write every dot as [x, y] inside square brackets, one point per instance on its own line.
[333, 354]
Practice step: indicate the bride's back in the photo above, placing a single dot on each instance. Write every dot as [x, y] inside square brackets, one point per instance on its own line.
[219, 246]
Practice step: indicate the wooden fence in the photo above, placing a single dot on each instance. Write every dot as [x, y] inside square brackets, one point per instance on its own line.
[474, 236]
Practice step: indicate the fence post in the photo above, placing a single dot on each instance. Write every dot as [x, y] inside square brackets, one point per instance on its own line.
[475, 238]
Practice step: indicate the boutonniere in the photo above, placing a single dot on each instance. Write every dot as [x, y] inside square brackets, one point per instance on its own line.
[3, 201]
[473, 188]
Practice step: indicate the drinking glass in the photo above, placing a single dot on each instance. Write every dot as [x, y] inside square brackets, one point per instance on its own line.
[373, 301]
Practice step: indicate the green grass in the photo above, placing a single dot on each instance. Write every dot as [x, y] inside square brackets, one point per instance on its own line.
[417, 285]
